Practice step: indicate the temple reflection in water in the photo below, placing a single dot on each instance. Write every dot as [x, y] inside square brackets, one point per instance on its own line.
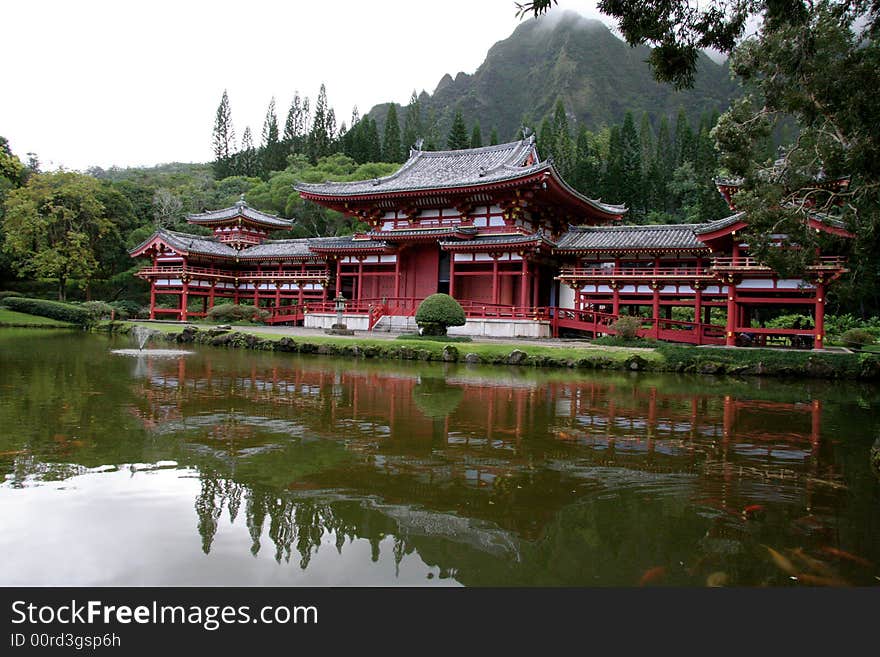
[312, 454]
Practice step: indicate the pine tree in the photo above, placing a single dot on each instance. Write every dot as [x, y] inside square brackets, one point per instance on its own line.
[547, 139]
[631, 181]
[432, 132]
[458, 137]
[223, 139]
[587, 175]
[372, 146]
[319, 139]
[493, 138]
[271, 150]
[563, 146]
[612, 179]
[663, 166]
[476, 136]
[413, 128]
[391, 137]
[247, 164]
[296, 125]
[684, 139]
[646, 141]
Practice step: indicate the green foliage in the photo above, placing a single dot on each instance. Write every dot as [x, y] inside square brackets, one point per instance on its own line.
[55, 226]
[63, 312]
[627, 328]
[391, 137]
[99, 310]
[458, 137]
[9, 293]
[223, 139]
[856, 337]
[232, 312]
[437, 313]
[794, 321]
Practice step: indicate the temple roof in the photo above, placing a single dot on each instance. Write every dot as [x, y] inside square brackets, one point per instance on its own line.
[632, 238]
[240, 209]
[348, 243]
[497, 240]
[210, 246]
[466, 168]
[426, 170]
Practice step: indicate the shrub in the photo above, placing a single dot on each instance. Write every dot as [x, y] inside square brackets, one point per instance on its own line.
[233, 312]
[9, 293]
[437, 313]
[856, 338]
[63, 312]
[126, 308]
[99, 309]
[627, 327]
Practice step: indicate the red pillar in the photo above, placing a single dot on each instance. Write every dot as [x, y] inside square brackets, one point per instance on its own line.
[820, 316]
[152, 299]
[397, 276]
[277, 294]
[211, 294]
[338, 276]
[495, 279]
[730, 340]
[184, 301]
[698, 306]
[451, 275]
[655, 311]
[360, 290]
[524, 285]
[615, 299]
[536, 279]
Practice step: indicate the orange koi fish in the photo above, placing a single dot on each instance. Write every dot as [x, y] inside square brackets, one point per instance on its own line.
[849, 556]
[653, 575]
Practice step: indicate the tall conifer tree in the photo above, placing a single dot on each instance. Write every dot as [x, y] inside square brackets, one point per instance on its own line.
[476, 136]
[223, 139]
[391, 137]
[458, 136]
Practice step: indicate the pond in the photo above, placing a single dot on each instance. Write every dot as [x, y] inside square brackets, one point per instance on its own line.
[247, 468]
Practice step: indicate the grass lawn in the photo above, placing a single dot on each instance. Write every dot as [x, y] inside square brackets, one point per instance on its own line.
[484, 350]
[12, 318]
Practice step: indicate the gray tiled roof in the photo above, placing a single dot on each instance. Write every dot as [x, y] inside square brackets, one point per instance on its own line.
[486, 240]
[426, 170]
[441, 169]
[718, 224]
[239, 209]
[609, 238]
[194, 243]
[294, 248]
[347, 242]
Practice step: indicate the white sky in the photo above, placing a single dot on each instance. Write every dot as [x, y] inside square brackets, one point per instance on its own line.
[97, 82]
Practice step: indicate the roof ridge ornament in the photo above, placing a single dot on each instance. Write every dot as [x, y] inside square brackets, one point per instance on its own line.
[241, 202]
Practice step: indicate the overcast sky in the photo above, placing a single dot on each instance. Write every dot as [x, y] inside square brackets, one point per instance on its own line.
[96, 82]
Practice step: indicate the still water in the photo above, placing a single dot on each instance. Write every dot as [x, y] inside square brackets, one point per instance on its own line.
[243, 468]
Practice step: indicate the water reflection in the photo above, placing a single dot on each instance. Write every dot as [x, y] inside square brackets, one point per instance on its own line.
[489, 476]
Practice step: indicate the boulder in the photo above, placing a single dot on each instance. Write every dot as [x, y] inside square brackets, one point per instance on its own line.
[517, 357]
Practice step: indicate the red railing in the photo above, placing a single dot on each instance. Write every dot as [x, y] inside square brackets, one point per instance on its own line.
[748, 262]
[633, 272]
[245, 274]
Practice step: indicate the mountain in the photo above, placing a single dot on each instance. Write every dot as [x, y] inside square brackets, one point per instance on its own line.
[563, 55]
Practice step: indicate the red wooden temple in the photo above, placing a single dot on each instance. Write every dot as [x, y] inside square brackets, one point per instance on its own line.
[499, 229]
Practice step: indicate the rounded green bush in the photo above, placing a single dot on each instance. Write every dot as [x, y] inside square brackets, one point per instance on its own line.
[232, 312]
[627, 328]
[856, 338]
[437, 313]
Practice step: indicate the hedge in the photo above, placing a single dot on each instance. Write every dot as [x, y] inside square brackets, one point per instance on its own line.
[63, 312]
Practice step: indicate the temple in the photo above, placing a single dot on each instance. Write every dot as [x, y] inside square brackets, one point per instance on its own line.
[497, 228]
